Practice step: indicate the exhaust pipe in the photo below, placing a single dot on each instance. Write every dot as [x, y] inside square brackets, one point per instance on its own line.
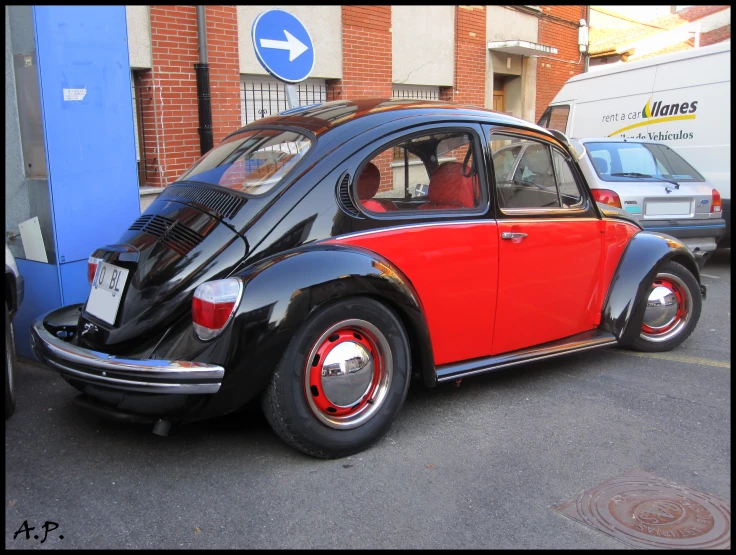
[162, 427]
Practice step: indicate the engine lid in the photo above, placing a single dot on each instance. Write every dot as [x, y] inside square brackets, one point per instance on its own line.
[167, 252]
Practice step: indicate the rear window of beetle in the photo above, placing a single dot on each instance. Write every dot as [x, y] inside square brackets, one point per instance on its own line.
[252, 162]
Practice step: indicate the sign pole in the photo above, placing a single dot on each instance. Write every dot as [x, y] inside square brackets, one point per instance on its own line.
[292, 100]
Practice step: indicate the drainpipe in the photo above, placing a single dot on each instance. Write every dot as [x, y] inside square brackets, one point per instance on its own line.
[586, 62]
[204, 101]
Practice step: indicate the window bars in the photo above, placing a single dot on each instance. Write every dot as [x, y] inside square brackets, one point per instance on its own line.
[261, 98]
[142, 99]
[418, 92]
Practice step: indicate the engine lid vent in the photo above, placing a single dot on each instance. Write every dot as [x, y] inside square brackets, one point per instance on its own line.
[176, 236]
[223, 204]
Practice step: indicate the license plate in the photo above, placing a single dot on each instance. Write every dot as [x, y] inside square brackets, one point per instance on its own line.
[668, 208]
[107, 290]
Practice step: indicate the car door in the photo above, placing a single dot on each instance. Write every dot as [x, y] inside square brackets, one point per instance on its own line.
[550, 249]
[443, 240]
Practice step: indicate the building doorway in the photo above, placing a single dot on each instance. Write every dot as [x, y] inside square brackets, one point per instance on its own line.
[499, 92]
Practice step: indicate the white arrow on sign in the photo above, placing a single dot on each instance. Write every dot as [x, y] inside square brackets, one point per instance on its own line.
[295, 47]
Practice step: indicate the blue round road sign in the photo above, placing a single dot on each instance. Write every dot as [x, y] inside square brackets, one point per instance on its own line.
[283, 45]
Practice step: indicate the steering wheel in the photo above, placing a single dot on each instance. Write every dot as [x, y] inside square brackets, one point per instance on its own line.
[471, 168]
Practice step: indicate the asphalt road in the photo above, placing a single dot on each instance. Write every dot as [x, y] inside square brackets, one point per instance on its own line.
[475, 466]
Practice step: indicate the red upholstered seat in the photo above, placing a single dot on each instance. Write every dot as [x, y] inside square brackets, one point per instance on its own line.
[373, 206]
[368, 183]
[449, 188]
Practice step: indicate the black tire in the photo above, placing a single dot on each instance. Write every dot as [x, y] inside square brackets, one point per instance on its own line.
[285, 403]
[689, 285]
[9, 366]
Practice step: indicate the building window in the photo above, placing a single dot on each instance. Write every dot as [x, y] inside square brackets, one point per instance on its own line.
[141, 101]
[420, 92]
[262, 96]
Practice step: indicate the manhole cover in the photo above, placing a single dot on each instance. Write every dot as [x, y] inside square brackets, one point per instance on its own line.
[643, 510]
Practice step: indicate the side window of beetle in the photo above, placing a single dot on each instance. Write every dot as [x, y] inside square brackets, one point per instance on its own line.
[436, 171]
[569, 191]
[528, 182]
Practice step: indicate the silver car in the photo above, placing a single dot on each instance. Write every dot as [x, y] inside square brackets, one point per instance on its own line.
[647, 179]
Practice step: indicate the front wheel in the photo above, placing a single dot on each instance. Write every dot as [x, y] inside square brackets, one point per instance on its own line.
[342, 379]
[673, 309]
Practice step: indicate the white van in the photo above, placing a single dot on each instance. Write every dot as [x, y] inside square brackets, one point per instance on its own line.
[681, 99]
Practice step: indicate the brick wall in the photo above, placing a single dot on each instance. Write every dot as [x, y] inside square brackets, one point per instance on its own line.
[366, 51]
[716, 35]
[470, 57]
[170, 113]
[551, 74]
[383, 163]
[174, 53]
[173, 140]
[222, 55]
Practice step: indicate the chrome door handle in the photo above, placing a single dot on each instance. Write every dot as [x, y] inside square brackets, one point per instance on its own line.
[508, 235]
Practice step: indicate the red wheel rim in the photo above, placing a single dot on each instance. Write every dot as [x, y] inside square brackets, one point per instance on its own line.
[315, 372]
[347, 374]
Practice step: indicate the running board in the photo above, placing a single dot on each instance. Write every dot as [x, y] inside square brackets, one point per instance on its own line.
[579, 342]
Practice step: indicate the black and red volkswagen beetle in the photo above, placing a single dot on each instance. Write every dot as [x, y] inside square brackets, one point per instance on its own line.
[320, 258]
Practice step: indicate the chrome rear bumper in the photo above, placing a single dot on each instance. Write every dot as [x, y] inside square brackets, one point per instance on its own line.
[146, 376]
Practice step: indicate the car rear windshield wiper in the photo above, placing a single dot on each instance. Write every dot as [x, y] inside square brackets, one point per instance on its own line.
[646, 176]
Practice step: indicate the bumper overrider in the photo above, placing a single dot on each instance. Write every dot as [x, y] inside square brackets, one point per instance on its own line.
[121, 374]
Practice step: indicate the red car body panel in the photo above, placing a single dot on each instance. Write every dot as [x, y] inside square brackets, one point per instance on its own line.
[616, 238]
[549, 281]
[454, 269]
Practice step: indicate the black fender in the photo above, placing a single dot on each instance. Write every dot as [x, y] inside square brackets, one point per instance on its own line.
[281, 292]
[624, 305]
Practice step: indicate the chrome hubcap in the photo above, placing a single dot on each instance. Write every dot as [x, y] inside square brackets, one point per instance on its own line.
[668, 309]
[662, 308]
[348, 374]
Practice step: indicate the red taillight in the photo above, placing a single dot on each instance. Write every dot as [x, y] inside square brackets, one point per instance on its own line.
[92, 264]
[213, 305]
[606, 196]
[716, 205]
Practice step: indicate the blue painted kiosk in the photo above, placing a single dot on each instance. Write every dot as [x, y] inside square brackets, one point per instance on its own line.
[91, 194]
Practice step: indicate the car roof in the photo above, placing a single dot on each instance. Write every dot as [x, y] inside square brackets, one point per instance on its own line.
[321, 118]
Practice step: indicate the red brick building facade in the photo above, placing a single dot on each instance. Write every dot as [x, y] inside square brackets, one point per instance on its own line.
[561, 30]
[167, 104]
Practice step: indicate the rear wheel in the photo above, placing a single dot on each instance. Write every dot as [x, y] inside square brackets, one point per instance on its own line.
[9, 366]
[341, 381]
[673, 309]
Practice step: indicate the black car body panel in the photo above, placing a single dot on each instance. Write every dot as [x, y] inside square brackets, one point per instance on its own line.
[168, 251]
[280, 293]
[645, 253]
[614, 213]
